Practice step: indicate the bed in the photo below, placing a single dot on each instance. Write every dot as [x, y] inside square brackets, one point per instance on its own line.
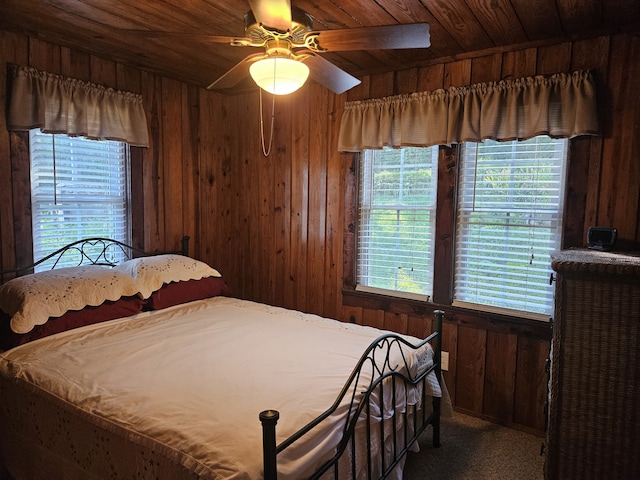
[150, 368]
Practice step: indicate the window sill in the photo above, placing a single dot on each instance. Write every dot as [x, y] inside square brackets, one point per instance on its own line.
[464, 316]
[393, 293]
[538, 317]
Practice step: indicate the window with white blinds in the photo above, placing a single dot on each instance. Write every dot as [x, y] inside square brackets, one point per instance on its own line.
[509, 220]
[396, 221]
[79, 189]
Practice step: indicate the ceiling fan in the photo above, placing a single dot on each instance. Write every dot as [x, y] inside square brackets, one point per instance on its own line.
[289, 41]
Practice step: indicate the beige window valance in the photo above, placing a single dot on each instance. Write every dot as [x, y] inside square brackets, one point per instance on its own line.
[58, 104]
[561, 106]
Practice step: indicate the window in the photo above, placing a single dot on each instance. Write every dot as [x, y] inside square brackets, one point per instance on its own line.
[396, 221]
[79, 189]
[509, 220]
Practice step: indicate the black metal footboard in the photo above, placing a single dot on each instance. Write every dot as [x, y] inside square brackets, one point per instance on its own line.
[391, 388]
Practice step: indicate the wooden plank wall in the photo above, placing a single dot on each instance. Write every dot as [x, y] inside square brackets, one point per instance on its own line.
[280, 228]
[163, 175]
[497, 366]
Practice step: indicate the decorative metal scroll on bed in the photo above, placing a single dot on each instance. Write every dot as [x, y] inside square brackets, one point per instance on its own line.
[384, 375]
[413, 418]
[92, 251]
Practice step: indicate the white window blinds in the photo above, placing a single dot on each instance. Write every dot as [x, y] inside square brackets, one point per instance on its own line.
[79, 189]
[508, 222]
[396, 221]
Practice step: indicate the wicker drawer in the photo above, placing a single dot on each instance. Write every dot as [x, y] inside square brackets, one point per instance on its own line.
[594, 395]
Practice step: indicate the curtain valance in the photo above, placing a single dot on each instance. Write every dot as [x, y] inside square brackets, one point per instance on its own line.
[561, 105]
[58, 104]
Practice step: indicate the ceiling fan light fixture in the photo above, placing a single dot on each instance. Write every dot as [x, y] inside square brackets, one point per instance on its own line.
[279, 75]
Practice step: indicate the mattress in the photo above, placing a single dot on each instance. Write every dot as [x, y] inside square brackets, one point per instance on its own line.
[176, 393]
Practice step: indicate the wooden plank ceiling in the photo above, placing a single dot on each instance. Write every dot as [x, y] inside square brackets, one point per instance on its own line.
[169, 36]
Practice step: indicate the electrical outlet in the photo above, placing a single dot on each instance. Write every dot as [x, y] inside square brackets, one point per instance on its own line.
[444, 361]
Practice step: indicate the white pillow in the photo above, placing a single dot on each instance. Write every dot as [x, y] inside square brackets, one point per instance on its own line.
[31, 299]
[150, 273]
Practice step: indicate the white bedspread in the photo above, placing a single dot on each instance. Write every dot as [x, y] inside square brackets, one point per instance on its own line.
[195, 377]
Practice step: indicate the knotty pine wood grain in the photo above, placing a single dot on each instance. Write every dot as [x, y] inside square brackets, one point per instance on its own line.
[587, 156]
[14, 50]
[43, 55]
[457, 74]
[281, 229]
[382, 85]
[171, 36]
[577, 186]
[265, 289]
[282, 199]
[486, 68]
[296, 292]
[173, 164]
[334, 244]
[352, 314]
[530, 383]
[373, 318]
[620, 166]
[78, 65]
[505, 23]
[406, 81]
[461, 24]
[470, 369]
[396, 322]
[153, 185]
[21, 198]
[450, 344]
[519, 63]
[103, 72]
[553, 58]
[445, 224]
[420, 327]
[430, 78]
[499, 375]
[190, 120]
[539, 17]
[318, 150]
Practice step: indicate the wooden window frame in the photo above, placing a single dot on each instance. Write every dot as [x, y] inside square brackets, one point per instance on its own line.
[21, 161]
[574, 234]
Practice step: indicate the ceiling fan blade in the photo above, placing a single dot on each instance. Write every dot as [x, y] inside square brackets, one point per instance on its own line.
[326, 73]
[414, 35]
[272, 13]
[237, 74]
[199, 36]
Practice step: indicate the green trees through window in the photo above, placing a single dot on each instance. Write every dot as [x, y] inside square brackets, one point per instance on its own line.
[396, 219]
[508, 220]
[79, 189]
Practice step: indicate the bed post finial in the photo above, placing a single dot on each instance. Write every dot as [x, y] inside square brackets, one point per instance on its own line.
[269, 418]
[438, 315]
[185, 245]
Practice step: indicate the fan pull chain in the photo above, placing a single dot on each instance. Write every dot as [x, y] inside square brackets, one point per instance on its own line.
[55, 176]
[265, 150]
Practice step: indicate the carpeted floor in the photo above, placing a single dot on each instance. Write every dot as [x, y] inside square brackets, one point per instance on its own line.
[473, 449]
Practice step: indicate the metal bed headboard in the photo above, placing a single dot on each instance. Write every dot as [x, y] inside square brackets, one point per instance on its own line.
[93, 251]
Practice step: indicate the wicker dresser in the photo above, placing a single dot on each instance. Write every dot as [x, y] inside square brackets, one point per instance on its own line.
[594, 391]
